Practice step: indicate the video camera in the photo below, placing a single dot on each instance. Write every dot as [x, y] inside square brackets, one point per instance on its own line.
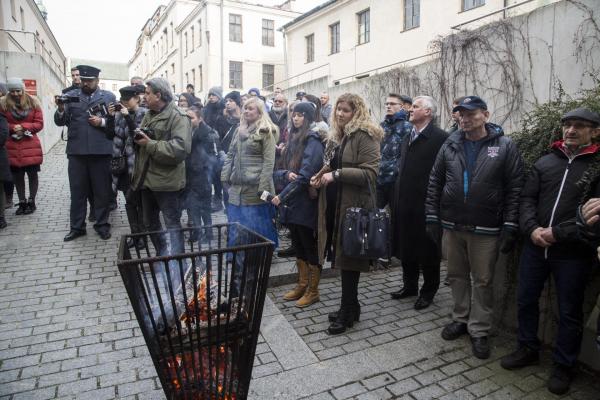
[64, 99]
[147, 131]
[98, 110]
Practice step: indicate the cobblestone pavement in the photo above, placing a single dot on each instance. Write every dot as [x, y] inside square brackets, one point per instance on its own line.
[67, 330]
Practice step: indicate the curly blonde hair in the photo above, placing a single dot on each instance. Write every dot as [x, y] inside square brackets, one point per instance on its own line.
[361, 120]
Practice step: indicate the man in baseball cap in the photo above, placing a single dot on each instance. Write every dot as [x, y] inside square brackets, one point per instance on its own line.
[547, 215]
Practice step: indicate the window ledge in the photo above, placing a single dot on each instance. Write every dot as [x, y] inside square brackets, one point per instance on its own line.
[472, 8]
[410, 29]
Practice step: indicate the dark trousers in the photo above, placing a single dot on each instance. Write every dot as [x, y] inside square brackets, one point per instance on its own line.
[570, 278]
[350, 288]
[304, 241]
[384, 194]
[133, 204]
[90, 174]
[431, 278]
[199, 209]
[170, 204]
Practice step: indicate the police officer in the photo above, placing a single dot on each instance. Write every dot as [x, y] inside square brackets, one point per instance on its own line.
[89, 152]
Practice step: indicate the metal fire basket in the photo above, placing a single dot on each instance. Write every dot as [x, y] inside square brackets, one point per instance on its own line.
[198, 296]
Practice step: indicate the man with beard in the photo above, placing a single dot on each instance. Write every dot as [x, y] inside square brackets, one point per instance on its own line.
[89, 152]
[326, 107]
[278, 113]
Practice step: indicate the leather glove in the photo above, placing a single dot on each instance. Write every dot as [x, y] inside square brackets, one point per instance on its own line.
[508, 240]
[434, 231]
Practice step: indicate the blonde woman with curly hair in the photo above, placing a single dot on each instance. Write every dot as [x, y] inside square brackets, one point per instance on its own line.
[248, 170]
[353, 168]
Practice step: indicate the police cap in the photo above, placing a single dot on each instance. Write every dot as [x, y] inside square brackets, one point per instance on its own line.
[88, 72]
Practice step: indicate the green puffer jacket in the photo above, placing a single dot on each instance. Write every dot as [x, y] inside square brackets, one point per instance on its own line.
[166, 152]
[249, 166]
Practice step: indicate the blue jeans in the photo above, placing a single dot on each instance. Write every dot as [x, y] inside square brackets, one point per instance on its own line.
[570, 278]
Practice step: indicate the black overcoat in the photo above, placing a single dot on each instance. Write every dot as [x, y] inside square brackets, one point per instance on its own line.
[5, 174]
[409, 240]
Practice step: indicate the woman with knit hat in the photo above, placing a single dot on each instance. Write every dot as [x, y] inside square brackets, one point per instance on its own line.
[23, 113]
[297, 202]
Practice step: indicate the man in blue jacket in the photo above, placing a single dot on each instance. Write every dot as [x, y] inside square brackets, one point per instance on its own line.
[473, 194]
[89, 152]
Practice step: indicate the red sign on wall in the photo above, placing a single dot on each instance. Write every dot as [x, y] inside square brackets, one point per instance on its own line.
[30, 86]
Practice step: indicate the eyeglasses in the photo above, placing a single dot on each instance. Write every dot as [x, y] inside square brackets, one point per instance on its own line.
[576, 125]
[392, 104]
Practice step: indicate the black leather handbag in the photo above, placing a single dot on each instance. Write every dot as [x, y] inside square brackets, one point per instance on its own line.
[118, 165]
[366, 232]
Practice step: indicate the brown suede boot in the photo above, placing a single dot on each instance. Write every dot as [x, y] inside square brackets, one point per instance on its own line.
[311, 295]
[300, 288]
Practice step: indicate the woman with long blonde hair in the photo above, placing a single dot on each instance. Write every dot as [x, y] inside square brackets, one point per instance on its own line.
[353, 167]
[25, 119]
[248, 170]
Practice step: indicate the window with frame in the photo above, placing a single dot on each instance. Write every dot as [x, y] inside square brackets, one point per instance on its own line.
[173, 68]
[412, 13]
[194, 78]
[235, 74]
[334, 38]
[235, 28]
[310, 48]
[187, 78]
[185, 43]
[364, 26]
[13, 10]
[199, 32]
[199, 88]
[192, 38]
[268, 32]
[268, 76]
[172, 41]
[166, 35]
[22, 18]
[469, 4]
[114, 87]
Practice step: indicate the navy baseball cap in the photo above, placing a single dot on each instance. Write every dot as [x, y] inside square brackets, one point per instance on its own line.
[582, 113]
[470, 103]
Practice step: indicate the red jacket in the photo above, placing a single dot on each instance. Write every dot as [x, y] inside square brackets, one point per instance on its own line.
[28, 150]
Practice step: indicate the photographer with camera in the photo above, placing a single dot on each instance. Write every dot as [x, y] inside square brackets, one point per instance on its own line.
[89, 151]
[123, 119]
[23, 113]
[163, 143]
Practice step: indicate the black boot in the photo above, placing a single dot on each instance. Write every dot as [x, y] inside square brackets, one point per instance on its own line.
[30, 207]
[333, 315]
[22, 206]
[349, 310]
[3, 223]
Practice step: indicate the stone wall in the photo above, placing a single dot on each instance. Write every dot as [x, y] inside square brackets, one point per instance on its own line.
[514, 64]
[33, 66]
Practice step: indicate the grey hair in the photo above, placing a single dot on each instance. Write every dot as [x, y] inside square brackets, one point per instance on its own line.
[430, 104]
[161, 85]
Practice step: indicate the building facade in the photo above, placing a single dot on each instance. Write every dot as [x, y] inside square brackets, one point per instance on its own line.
[344, 40]
[29, 50]
[226, 43]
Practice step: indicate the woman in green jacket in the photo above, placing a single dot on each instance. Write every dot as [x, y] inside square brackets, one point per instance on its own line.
[353, 168]
[248, 170]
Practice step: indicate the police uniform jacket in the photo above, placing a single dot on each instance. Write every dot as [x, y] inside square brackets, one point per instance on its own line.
[83, 138]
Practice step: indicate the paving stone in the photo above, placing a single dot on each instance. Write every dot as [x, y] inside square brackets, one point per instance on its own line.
[377, 381]
[347, 391]
[404, 386]
[39, 394]
[428, 392]
[429, 377]
[482, 388]
[454, 382]
[405, 372]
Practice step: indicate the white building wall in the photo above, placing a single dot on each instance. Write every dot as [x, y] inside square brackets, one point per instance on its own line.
[24, 30]
[389, 42]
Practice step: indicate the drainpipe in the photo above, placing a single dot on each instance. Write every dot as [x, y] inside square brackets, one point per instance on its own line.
[222, 47]
[504, 11]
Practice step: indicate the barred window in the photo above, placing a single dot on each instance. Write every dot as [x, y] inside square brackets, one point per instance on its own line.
[235, 74]
[235, 28]
[268, 74]
[310, 48]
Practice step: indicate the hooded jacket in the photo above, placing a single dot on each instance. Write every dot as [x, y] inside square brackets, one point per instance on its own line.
[484, 201]
[395, 127]
[551, 196]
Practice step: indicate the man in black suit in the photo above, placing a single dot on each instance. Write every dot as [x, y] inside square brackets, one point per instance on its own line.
[411, 243]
